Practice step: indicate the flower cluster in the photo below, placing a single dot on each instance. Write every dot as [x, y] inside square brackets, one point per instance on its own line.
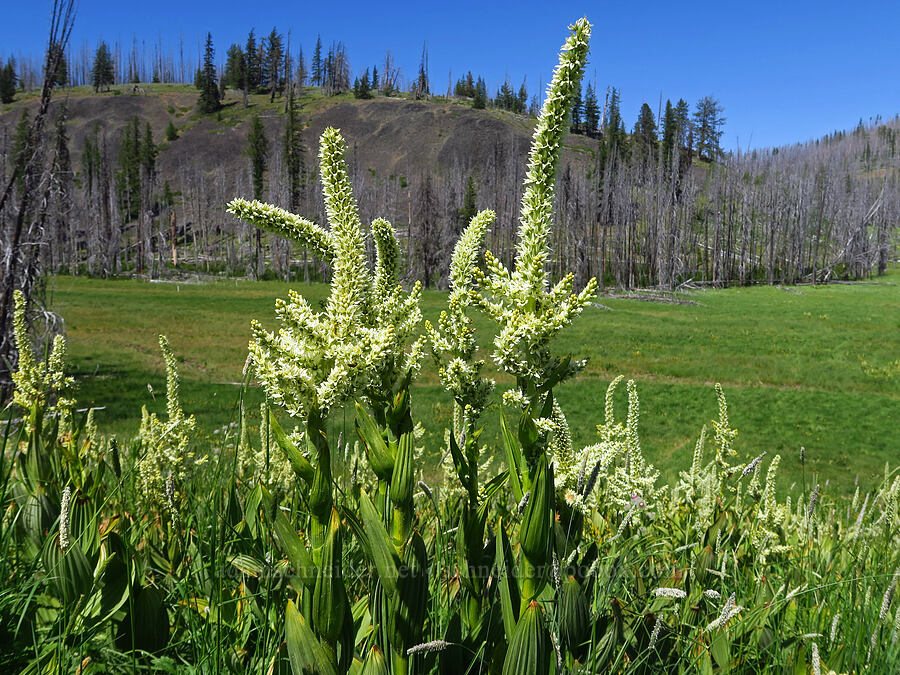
[358, 345]
[166, 446]
[529, 312]
[36, 382]
[617, 459]
[453, 342]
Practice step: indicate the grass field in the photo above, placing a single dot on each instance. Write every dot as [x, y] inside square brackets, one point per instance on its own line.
[815, 366]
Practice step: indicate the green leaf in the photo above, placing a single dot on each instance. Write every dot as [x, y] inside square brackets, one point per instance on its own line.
[301, 465]
[720, 649]
[514, 459]
[247, 565]
[305, 652]
[384, 555]
[491, 489]
[296, 551]
[380, 456]
[508, 586]
[462, 466]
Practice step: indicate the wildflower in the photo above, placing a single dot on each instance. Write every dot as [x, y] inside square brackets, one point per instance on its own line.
[728, 611]
[816, 663]
[712, 594]
[428, 647]
[813, 500]
[675, 593]
[64, 516]
[834, 627]
[752, 465]
[654, 636]
[886, 600]
[520, 509]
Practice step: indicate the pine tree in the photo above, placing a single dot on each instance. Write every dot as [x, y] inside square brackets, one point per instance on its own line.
[479, 100]
[8, 82]
[251, 59]
[577, 110]
[317, 63]
[708, 123]
[128, 177]
[302, 73]
[258, 152]
[235, 68]
[644, 136]
[171, 131]
[148, 153]
[273, 62]
[670, 130]
[209, 90]
[522, 99]
[469, 209]
[361, 88]
[591, 111]
[615, 127]
[505, 98]
[294, 151]
[683, 131]
[103, 72]
[375, 78]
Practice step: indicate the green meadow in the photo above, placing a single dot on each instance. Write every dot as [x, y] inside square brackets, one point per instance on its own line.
[814, 367]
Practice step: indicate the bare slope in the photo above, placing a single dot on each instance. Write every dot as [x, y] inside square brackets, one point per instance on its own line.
[388, 136]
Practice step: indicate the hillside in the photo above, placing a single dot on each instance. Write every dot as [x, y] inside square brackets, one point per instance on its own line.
[387, 135]
[626, 212]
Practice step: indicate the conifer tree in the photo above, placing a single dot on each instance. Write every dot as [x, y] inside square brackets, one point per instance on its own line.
[683, 130]
[479, 100]
[235, 67]
[294, 151]
[302, 73]
[103, 72]
[273, 62]
[522, 99]
[148, 153]
[644, 136]
[468, 210]
[258, 152]
[670, 128]
[615, 127]
[317, 63]
[577, 110]
[708, 123]
[375, 78]
[8, 82]
[171, 131]
[591, 111]
[128, 177]
[251, 59]
[209, 88]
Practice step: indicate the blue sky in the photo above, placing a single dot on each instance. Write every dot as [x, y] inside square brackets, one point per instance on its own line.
[783, 71]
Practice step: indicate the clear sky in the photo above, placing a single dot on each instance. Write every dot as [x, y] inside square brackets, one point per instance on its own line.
[783, 71]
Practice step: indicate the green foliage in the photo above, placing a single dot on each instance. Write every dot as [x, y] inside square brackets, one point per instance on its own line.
[707, 127]
[258, 152]
[207, 83]
[103, 70]
[171, 131]
[8, 81]
[157, 553]
[132, 155]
